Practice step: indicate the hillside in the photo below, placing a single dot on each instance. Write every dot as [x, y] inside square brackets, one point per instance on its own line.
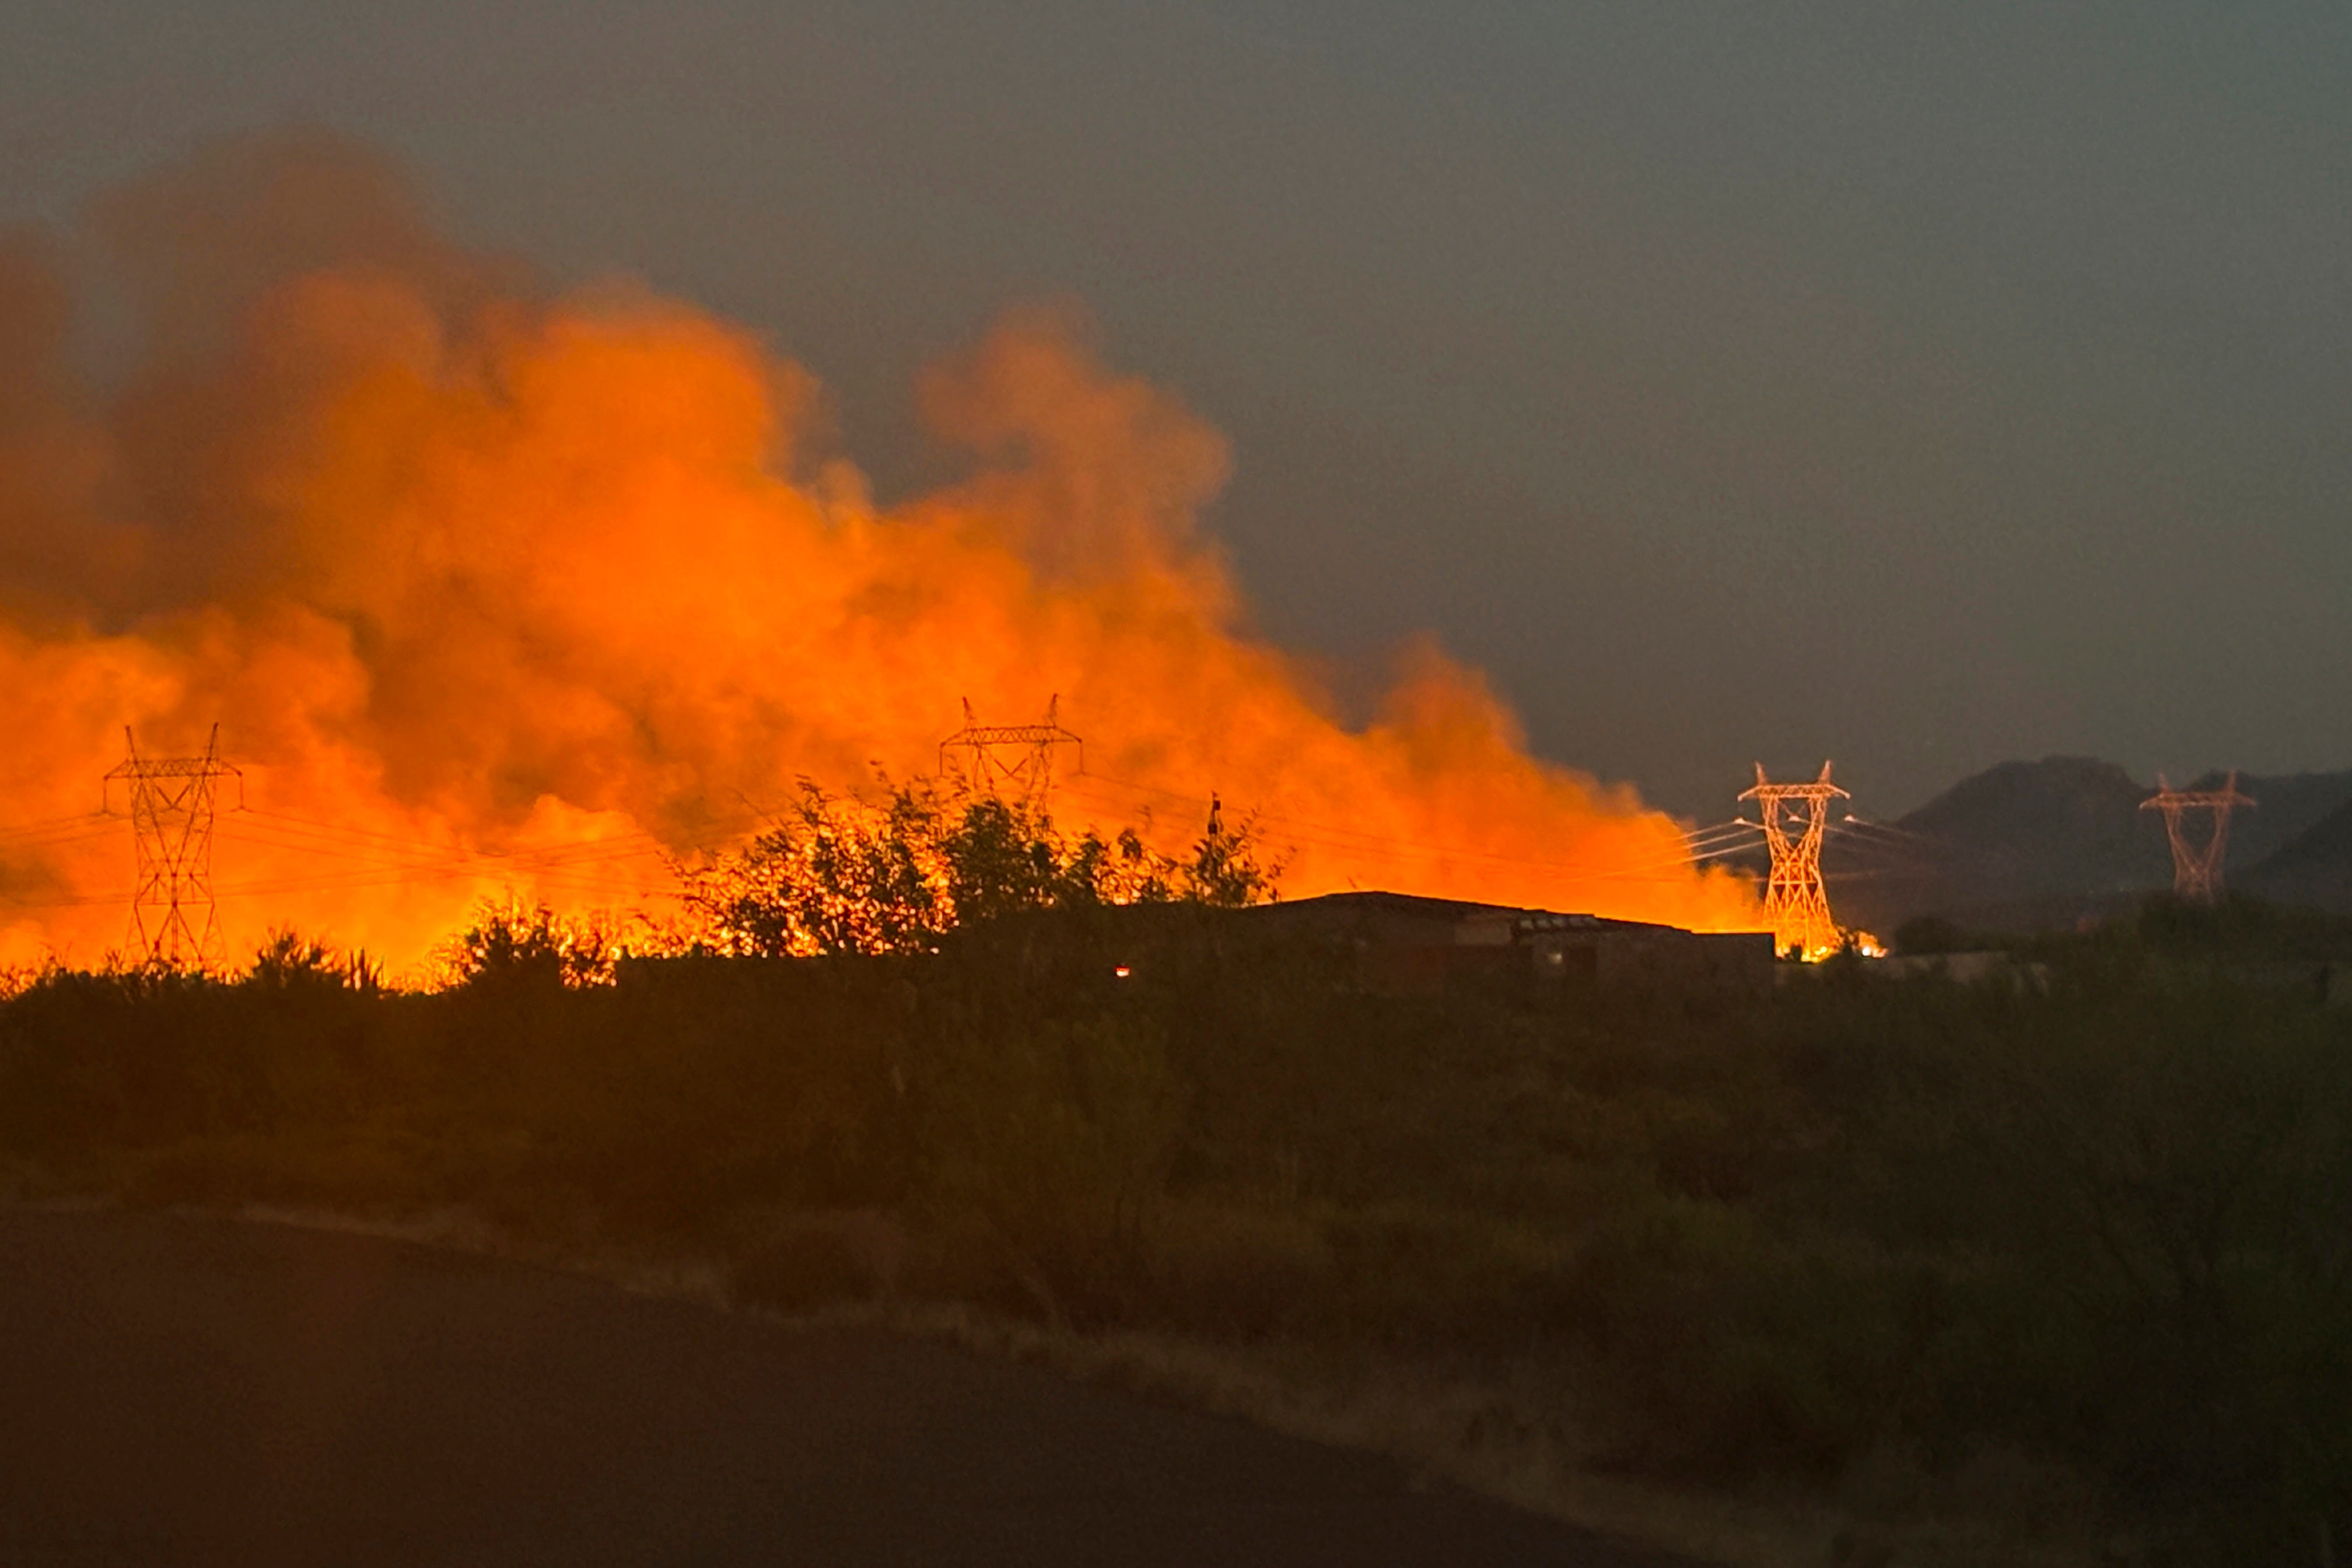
[2048, 843]
[2286, 806]
[2030, 843]
[2313, 868]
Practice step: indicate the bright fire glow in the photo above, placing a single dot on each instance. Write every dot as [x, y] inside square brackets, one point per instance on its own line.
[1861, 943]
[488, 588]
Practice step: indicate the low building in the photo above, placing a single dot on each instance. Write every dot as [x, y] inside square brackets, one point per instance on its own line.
[1405, 944]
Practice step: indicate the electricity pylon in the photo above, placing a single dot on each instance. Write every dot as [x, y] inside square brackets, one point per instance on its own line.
[1010, 763]
[174, 920]
[1795, 900]
[2196, 868]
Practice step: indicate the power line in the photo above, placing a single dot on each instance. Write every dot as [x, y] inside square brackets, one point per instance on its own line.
[1358, 844]
[381, 873]
[375, 857]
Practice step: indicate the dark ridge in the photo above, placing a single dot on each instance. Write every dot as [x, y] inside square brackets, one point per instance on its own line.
[2062, 841]
[2313, 868]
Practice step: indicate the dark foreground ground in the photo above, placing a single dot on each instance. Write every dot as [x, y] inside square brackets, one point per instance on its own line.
[181, 1391]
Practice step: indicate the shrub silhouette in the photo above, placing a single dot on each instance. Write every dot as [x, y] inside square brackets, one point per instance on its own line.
[842, 878]
[2104, 1220]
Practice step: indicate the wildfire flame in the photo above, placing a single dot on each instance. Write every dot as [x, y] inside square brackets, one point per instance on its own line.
[490, 588]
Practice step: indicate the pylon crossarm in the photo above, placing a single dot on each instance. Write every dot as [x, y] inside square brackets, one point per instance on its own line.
[1011, 735]
[2196, 868]
[1028, 772]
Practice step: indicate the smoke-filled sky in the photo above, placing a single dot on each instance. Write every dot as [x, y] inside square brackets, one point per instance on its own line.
[1919, 385]
[494, 585]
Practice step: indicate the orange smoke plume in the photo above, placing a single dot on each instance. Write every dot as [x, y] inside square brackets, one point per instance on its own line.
[489, 589]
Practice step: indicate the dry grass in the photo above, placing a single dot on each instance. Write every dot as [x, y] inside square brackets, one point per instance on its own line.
[1507, 1441]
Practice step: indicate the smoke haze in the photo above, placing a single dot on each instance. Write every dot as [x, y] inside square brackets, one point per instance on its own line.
[487, 587]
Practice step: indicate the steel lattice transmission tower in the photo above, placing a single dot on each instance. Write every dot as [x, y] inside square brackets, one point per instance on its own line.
[1796, 818]
[1012, 762]
[174, 920]
[2196, 868]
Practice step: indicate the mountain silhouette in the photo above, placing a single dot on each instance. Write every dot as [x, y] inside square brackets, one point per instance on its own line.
[2031, 845]
[2314, 868]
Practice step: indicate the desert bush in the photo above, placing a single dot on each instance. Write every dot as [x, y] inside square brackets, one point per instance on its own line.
[841, 877]
[1932, 934]
[2102, 1222]
[513, 944]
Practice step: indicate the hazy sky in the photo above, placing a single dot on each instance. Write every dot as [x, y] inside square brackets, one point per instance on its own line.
[1921, 385]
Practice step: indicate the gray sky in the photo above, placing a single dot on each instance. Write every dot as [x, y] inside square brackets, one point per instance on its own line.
[1922, 385]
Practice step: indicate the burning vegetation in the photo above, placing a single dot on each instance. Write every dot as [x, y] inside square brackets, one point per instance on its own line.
[496, 592]
[843, 878]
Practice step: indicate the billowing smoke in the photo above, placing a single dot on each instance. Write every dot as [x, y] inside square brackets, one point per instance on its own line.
[465, 571]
